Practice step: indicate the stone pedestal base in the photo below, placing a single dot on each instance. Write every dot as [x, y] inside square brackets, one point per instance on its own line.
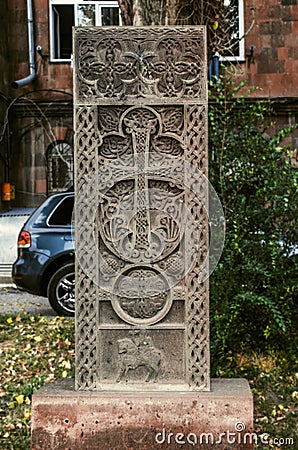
[63, 418]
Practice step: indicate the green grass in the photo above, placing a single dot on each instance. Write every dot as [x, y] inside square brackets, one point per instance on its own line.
[38, 350]
[33, 351]
[273, 382]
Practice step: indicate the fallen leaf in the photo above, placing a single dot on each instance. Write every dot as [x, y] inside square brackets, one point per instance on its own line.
[20, 399]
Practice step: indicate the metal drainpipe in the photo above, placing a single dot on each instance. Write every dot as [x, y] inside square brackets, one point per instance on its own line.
[31, 77]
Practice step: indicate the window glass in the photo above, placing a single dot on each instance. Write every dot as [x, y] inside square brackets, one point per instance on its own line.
[60, 167]
[86, 15]
[64, 14]
[234, 27]
[63, 21]
[62, 215]
[225, 25]
[109, 16]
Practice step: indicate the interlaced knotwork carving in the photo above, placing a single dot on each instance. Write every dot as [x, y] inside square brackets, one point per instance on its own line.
[86, 289]
[141, 210]
[168, 63]
[197, 306]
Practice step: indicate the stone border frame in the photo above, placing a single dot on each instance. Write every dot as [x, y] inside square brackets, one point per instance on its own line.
[105, 79]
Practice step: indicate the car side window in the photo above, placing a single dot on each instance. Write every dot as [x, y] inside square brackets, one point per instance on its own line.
[62, 214]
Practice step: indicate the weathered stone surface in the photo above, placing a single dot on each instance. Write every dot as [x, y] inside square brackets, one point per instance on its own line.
[63, 418]
[141, 207]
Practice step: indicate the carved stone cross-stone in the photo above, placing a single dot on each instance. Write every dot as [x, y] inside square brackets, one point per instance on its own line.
[141, 208]
[143, 212]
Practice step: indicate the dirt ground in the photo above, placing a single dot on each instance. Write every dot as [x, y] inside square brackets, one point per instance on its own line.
[14, 301]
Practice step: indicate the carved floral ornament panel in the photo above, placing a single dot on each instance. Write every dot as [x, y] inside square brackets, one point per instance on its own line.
[141, 206]
[147, 237]
[120, 63]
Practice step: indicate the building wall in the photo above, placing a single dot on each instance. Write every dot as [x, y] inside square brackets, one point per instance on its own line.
[274, 35]
[35, 131]
[41, 111]
[50, 77]
[4, 69]
[274, 64]
[4, 66]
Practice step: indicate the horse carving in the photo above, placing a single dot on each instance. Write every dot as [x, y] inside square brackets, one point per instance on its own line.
[135, 353]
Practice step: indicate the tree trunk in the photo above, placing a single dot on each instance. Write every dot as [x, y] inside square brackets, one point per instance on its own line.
[171, 12]
[150, 12]
[126, 8]
[143, 12]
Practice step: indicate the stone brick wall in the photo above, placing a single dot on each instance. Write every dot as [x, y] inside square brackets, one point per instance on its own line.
[35, 127]
[273, 66]
[3, 50]
[50, 77]
[3, 91]
[40, 111]
[274, 35]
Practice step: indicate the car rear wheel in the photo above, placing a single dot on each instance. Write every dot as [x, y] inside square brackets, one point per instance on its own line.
[61, 290]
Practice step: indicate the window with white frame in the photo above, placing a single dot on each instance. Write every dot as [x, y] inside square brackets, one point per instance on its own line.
[234, 18]
[64, 14]
[225, 24]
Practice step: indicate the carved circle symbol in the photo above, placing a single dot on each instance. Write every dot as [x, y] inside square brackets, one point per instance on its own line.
[179, 172]
[142, 296]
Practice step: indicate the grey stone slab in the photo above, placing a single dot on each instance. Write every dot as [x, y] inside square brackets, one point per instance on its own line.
[140, 109]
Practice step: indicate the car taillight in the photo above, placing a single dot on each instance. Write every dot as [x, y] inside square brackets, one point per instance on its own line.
[24, 239]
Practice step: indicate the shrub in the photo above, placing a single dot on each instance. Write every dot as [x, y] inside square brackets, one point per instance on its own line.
[253, 288]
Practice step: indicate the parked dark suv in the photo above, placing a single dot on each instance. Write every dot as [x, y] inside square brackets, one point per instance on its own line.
[45, 263]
